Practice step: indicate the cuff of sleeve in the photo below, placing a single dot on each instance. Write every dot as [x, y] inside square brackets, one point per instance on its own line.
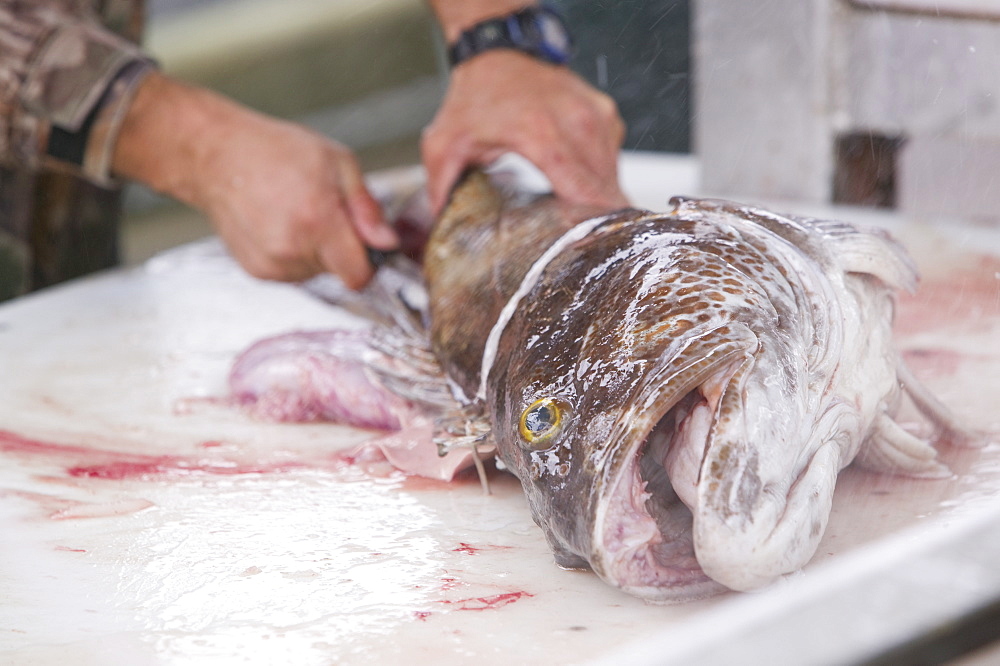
[89, 148]
[79, 85]
[99, 148]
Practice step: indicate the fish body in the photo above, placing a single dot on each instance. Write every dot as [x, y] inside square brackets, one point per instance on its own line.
[677, 392]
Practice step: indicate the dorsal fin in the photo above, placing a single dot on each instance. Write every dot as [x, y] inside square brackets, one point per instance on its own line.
[854, 248]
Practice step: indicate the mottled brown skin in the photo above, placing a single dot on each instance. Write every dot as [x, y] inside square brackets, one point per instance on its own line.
[477, 254]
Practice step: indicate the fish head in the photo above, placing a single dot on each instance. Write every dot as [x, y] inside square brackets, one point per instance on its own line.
[607, 376]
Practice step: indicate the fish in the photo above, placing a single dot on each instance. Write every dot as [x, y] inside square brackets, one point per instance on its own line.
[677, 391]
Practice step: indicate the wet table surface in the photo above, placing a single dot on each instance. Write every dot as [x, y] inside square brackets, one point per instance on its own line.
[144, 524]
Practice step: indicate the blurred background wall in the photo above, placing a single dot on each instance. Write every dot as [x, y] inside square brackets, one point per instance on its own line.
[890, 103]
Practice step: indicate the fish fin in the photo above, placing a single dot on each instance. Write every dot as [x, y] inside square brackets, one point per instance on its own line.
[400, 359]
[891, 449]
[396, 296]
[862, 249]
[456, 434]
[399, 354]
[405, 364]
[869, 251]
[466, 429]
[857, 249]
[947, 427]
[411, 451]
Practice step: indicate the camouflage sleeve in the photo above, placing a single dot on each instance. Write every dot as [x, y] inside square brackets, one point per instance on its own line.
[65, 84]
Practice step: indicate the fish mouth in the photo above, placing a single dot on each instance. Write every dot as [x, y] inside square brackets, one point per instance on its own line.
[643, 530]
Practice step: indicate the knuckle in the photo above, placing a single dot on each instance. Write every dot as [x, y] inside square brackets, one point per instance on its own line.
[432, 140]
[352, 281]
[263, 270]
[607, 107]
[282, 252]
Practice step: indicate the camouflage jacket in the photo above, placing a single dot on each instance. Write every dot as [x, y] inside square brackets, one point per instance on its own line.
[68, 69]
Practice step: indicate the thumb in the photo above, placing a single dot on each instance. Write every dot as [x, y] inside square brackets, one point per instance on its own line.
[366, 215]
[443, 170]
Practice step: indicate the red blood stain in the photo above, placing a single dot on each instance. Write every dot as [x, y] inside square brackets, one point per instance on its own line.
[13, 443]
[469, 549]
[96, 463]
[70, 550]
[422, 615]
[484, 603]
[171, 466]
[118, 470]
[86, 462]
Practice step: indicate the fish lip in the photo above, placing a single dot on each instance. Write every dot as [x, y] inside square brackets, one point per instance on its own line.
[627, 548]
[643, 565]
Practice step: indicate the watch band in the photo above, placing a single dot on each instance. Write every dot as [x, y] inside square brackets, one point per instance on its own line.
[537, 31]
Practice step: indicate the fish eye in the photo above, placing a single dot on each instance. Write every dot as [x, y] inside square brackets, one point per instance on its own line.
[540, 421]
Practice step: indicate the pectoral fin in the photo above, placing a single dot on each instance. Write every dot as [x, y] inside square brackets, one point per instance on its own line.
[893, 450]
[947, 427]
[871, 252]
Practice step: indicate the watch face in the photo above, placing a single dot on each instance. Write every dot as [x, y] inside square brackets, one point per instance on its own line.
[553, 34]
[491, 34]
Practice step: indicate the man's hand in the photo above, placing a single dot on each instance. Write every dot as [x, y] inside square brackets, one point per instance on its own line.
[506, 101]
[289, 203]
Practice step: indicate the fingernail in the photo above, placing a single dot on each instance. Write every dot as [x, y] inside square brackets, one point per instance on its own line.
[384, 236]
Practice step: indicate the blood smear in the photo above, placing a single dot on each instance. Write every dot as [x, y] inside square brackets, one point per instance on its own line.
[484, 603]
[86, 462]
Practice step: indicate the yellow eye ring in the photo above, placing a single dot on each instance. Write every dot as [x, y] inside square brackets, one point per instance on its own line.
[540, 421]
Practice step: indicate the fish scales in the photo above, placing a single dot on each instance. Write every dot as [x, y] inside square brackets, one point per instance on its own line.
[467, 288]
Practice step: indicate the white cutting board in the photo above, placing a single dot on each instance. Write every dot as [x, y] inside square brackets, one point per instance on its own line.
[141, 523]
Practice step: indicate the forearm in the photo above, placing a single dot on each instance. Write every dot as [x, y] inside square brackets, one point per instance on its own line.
[288, 202]
[454, 16]
[64, 93]
[167, 134]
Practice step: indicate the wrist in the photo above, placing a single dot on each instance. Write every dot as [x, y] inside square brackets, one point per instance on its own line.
[167, 135]
[456, 16]
[536, 31]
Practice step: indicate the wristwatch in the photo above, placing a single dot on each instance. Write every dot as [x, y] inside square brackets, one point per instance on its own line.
[538, 31]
